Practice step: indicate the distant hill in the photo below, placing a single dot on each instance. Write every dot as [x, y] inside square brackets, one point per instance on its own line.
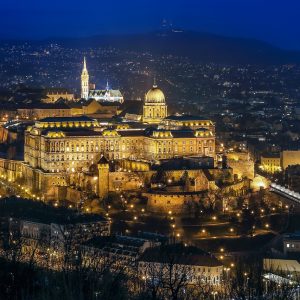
[199, 47]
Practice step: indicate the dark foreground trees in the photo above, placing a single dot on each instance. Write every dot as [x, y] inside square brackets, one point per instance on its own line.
[19, 281]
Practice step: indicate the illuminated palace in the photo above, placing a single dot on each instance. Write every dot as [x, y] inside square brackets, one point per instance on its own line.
[68, 154]
[57, 149]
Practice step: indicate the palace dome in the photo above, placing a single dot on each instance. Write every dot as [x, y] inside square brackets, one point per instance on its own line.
[155, 95]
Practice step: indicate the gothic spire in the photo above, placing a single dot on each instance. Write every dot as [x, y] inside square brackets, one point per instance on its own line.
[84, 63]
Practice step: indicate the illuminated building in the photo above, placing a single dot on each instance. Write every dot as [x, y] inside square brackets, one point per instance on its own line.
[64, 144]
[189, 121]
[155, 108]
[158, 263]
[43, 110]
[64, 151]
[106, 95]
[58, 148]
[53, 95]
[270, 163]
[61, 109]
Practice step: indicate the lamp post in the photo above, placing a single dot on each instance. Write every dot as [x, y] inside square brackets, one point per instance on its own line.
[214, 294]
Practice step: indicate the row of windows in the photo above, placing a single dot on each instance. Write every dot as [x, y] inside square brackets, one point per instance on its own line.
[59, 145]
[192, 142]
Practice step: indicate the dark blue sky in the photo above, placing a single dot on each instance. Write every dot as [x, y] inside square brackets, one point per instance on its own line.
[275, 21]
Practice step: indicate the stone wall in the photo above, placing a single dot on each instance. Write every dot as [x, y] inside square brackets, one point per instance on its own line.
[177, 203]
[241, 164]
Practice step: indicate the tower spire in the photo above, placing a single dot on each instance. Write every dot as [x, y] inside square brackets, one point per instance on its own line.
[84, 81]
[84, 63]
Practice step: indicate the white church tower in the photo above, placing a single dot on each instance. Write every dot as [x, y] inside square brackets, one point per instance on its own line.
[84, 81]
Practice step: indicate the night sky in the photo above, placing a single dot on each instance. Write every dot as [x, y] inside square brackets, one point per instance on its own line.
[275, 21]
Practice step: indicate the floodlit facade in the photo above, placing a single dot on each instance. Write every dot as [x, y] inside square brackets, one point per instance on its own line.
[69, 144]
[271, 163]
[155, 108]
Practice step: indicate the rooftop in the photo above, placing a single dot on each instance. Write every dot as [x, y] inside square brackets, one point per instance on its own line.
[292, 236]
[103, 241]
[180, 254]
[185, 118]
[67, 119]
[56, 105]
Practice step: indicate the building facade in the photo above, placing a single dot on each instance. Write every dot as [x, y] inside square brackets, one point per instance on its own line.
[270, 163]
[69, 144]
[53, 95]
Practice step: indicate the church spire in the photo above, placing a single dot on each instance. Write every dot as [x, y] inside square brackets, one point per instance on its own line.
[84, 64]
[84, 81]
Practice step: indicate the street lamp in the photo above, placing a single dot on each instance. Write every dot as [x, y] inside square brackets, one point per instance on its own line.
[214, 294]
